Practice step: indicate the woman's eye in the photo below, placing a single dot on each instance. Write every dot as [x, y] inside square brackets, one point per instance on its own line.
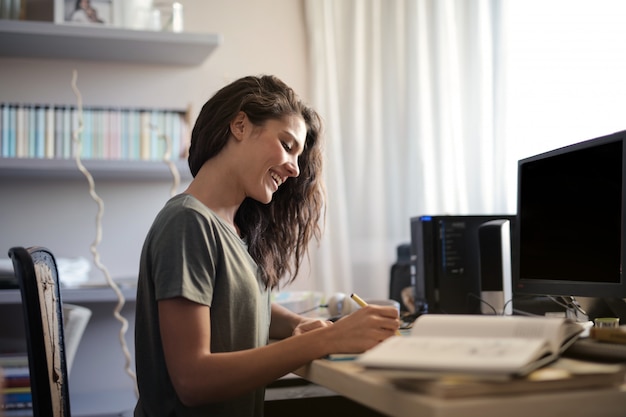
[286, 146]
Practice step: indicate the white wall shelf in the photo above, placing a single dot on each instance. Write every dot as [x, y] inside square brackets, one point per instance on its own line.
[29, 39]
[100, 169]
[78, 295]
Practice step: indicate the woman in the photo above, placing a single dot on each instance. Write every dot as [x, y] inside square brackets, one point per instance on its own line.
[215, 252]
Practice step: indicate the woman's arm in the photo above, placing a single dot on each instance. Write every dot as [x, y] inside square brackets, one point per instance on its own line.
[200, 376]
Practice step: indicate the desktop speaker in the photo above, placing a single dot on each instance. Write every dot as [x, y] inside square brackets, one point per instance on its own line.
[494, 242]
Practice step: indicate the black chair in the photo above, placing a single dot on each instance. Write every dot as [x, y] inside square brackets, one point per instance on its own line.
[36, 271]
[400, 275]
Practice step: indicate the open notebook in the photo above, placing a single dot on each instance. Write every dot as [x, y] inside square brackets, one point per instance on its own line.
[489, 345]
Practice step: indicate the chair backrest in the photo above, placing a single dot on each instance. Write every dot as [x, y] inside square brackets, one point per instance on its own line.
[400, 275]
[36, 271]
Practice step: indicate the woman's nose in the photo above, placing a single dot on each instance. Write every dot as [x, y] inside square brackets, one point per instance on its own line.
[292, 168]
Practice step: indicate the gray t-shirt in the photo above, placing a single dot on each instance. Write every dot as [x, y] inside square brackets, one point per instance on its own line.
[190, 252]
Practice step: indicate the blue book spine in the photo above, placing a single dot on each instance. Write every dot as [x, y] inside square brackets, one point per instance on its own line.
[31, 138]
[12, 134]
[4, 123]
[70, 126]
[17, 397]
[21, 132]
[40, 132]
[50, 130]
[58, 132]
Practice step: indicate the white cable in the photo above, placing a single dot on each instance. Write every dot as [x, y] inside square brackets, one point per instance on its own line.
[167, 158]
[76, 138]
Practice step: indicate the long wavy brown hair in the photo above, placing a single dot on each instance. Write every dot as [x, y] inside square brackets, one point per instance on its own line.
[278, 233]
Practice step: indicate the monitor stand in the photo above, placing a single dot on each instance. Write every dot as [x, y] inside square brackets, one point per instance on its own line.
[618, 307]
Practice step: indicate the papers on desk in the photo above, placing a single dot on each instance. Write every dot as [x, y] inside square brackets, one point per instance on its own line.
[564, 374]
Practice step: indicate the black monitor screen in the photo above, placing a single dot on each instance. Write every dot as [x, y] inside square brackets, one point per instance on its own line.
[570, 220]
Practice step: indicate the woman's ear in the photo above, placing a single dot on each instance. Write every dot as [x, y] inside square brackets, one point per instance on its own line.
[238, 125]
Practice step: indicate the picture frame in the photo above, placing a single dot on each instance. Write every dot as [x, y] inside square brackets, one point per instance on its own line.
[86, 12]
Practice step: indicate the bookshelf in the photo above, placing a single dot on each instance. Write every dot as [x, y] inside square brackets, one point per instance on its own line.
[78, 295]
[29, 39]
[41, 197]
[101, 169]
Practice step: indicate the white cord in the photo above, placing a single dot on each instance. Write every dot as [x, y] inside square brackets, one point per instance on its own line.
[167, 158]
[76, 137]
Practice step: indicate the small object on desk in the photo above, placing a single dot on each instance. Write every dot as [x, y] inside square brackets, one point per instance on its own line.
[362, 303]
[604, 322]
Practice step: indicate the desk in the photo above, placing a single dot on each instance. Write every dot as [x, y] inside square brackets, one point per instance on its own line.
[352, 381]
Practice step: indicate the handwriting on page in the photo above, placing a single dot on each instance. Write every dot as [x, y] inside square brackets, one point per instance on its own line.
[470, 347]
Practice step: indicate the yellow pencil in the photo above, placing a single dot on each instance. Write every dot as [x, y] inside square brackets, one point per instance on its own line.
[362, 303]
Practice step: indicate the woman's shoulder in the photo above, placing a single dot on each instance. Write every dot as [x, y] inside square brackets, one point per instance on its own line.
[185, 208]
[186, 203]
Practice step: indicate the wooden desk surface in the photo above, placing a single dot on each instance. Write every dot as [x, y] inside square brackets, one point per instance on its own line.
[352, 381]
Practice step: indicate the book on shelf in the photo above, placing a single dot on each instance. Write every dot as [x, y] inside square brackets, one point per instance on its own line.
[48, 131]
[16, 391]
[564, 374]
[492, 347]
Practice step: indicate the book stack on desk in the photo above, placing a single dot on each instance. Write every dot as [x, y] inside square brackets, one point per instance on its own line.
[17, 399]
[564, 374]
[609, 334]
[465, 355]
[604, 344]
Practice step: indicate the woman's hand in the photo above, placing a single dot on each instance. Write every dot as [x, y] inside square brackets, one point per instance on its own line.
[308, 324]
[364, 329]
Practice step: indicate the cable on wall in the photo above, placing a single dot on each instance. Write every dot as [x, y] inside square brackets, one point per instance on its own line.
[76, 139]
[167, 159]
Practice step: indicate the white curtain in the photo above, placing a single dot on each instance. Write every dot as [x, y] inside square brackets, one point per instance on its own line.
[408, 93]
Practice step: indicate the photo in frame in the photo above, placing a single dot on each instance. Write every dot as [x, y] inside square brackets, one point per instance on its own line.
[86, 12]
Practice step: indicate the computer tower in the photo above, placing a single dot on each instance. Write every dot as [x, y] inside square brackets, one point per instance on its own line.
[445, 257]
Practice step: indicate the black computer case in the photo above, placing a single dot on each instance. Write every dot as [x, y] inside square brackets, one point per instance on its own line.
[445, 257]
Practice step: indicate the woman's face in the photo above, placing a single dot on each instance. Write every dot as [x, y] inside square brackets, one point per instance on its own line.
[272, 155]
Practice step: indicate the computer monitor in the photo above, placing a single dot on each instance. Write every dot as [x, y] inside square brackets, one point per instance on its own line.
[570, 221]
